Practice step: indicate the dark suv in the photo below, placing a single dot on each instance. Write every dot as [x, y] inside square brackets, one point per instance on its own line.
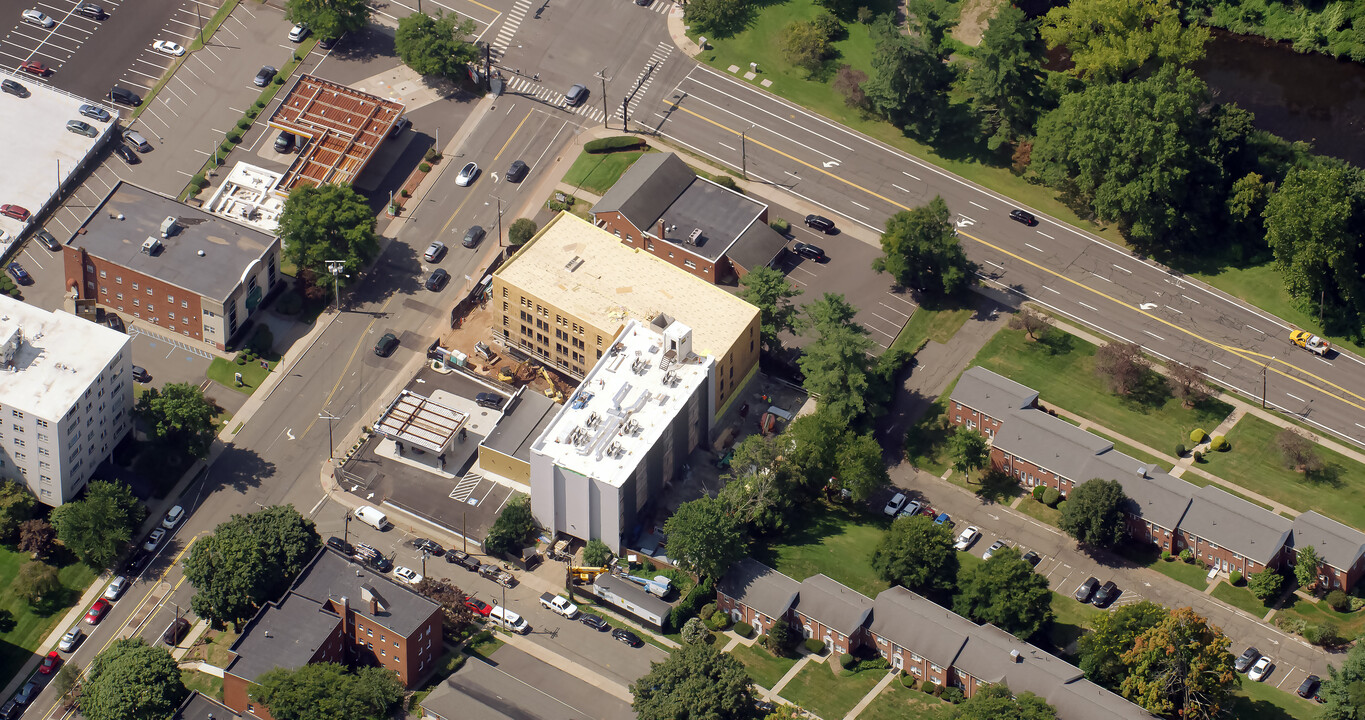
[124, 96]
[13, 88]
[472, 238]
[94, 12]
[823, 224]
[492, 401]
[1024, 217]
[517, 171]
[809, 252]
[386, 345]
[1247, 659]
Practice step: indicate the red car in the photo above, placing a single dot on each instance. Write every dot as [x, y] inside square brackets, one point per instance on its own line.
[14, 211]
[50, 663]
[478, 606]
[33, 66]
[97, 611]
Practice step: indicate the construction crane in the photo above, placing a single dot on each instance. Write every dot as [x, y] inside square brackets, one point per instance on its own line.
[585, 574]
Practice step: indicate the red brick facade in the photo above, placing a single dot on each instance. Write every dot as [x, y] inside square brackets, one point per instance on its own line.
[145, 298]
[739, 612]
[675, 254]
[974, 419]
[236, 690]
[411, 657]
[833, 639]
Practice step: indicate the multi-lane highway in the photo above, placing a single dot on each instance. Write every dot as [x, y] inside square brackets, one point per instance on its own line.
[860, 180]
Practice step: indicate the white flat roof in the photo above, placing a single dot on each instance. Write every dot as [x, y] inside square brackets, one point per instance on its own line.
[39, 151]
[623, 406]
[247, 196]
[420, 421]
[59, 356]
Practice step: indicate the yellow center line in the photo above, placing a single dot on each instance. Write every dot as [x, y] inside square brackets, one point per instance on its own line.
[328, 401]
[1250, 355]
[511, 137]
[467, 197]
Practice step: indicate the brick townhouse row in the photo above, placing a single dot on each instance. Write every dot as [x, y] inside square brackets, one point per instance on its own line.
[1221, 529]
[916, 636]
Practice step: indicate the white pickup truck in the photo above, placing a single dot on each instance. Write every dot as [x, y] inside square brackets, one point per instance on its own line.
[559, 604]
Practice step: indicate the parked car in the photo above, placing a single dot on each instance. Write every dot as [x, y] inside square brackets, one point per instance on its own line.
[26, 693]
[454, 556]
[18, 212]
[944, 519]
[399, 126]
[576, 94]
[997, 545]
[478, 606]
[136, 563]
[141, 375]
[10, 710]
[437, 280]
[138, 142]
[284, 142]
[173, 517]
[50, 662]
[13, 88]
[1108, 593]
[114, 322]
[1087, 589]
[175, 632]
[116, 588]
[1261, 669]
[126, 154]
[1032, 558]
[517, 171]
[21, 275]
[407, 575]
[264, 76]
[97, 611]
[124, 96]
[169, 48]
[94, 12]
[81, 128]
[386, 345]
[1309, 687]
[1248, 658]
[45, 238]
[1024, 217]
[435, 251]
[911, 509]
[95, 112]
[823, 224]
[340, 545]
[429, 546]
[810, 252]
[492, 401]
[467, 174]
[298, 33]
[473, 236]
[469, 562]
[33, 17]
[593, 621]
[154, 539]
[968, 536]
[71, 639]
[895, 504]
[627, 637]
[33, 67]
[327, 43]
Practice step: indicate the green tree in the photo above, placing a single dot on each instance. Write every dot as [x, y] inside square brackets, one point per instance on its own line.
[704, 536]
[67, 683]
[1005, 80]
[1265, 584]
[247, 561]
[970, 450]
[861, 469]
[1110, 40]
[1313, 225]
[806, 45]
[1181, 667]
[920, 251]
[513, 529]
[36, 537]
[1139, 153]
[997, 702]
[812, 447]
[917, 553]
[521, 231]
[131, 680]
[434, 45]
[760, 485]
[16, 506]
[1006, 592]
[34, 581]
[329, 18]
[180, 418]
[328, 222]
[909, 84]
[97, 526]
[695, 681]
[836, 365]
[769, 290]
[1112, 634]
[1246, 204]
[1306, 565]
[596, 553]
[328, 691]
[1093, 514]
[1343, 690]
[717, 18]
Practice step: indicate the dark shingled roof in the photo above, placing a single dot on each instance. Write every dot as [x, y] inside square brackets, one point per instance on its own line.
[833, 604]
[1231, 522]
[760, 587]
[756, 247]
[647, 188]
[991, 393]
[203, 707]
[1337, 545]
[920, 625]
[1050, 443]
[285, 635]
[332, 576]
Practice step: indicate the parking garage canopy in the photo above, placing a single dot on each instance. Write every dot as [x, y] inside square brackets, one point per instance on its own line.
[420, 422]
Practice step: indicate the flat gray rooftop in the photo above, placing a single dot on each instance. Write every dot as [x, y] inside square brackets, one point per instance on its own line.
[521, 424]
[208, 256]
[40, 152]
[720, 214]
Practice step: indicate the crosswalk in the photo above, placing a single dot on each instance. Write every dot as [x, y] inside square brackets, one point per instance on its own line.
[661, 7]
[529, 88]
[647, 75]
[509, 26]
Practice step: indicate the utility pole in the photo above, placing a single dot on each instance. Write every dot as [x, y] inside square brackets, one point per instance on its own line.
[606, 119]
[424, 563]
[1264, 368]
[336, 267]
[202, 40]
[464, 532]
[743, 155]
[346, 530]
[330, 444]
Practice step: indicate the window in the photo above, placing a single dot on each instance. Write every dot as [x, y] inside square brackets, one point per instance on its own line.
[134, 286]
[170, 299]
[120, 297]
[149, 292]
[689, 264]
[184, 303]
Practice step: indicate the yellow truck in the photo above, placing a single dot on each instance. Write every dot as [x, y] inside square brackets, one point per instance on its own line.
[1310, 342]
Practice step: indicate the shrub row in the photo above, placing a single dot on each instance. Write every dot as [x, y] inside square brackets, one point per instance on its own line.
[688, 607]
[611, 144]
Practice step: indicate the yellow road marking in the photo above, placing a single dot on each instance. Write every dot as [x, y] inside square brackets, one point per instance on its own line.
[466, 198]
[349, 360]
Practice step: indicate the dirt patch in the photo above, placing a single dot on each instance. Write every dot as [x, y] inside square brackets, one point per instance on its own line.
[972, 20]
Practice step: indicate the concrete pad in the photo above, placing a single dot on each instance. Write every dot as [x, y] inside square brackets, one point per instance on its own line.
[766, 82]
[750, 75]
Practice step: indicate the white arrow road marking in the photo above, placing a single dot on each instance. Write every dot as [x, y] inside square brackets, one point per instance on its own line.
[831, 163]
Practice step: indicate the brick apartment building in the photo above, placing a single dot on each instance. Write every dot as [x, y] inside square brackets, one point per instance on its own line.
[189, 272]
[336, 611]
[918, 637]
[662, 207]
[1221, 529]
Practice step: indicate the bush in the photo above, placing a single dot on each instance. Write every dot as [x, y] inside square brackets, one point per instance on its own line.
[404, 193]
[702, 593]
[234, 136]
[424, 167]
[1339, 601]
[694, 631]
[953, 695]
[1038, 492]
[928, 687]
[1356, 603]
[1187, 555]
[244, 124]
[1051, 497]
[1219, 444]
[908, 681]
[1198, 456]
[241, 360]
[829, 26]
[727, 182]
[846, 661]
[706, 611]
[1197, 436]
[1180, 450]
[1235, 577]
[815, 646]
[198, 181]
[876, 663]
[720, 620]
[597, 554]
[610, 144]
[432, 155]
[226, 146]
[279, 80]
[1061, 506]
[781, 226]
[262, 340]
[744, 630]
[1166, 555]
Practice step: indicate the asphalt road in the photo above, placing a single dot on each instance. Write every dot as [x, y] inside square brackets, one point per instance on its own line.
[859, 180]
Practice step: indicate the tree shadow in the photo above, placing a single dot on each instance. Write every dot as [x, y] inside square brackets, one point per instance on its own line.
[239, 469]
[998, 486]
[820, 522]
[1056, 342]
[1149, 393]
[1329, 475]
[7, 622]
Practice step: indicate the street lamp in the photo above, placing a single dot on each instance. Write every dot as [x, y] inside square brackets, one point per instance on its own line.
[346, 530]
[424, 563]
[330, 443]
[499, 219]
[336, 267]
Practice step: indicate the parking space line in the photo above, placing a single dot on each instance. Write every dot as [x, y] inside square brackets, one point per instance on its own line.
[894, 310]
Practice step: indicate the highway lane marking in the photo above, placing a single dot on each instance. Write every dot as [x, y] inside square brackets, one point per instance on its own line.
[855, 202]
[1187, 297]
[912, 177]
[1215, 362]
[898, 187]
[1035, 247]
[983, 207]
[1050, 289]
[1158, 337]
[727, 147]
[327, 401]
[798, 177]
[1319, 357]
[1296, 397]
[1092, 307]
[1118, 267]
[461, 207]
[1255, 330]
[988, 262]
[1168, 307]
[787, 120]
[1102, 277]
[1362, 427]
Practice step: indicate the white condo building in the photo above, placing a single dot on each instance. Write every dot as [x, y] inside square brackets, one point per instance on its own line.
[66, 398]
[623, 435]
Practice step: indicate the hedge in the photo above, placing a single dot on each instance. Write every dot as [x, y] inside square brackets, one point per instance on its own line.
[781, 226]
[1051, 497]
[744, 630]
[1038, 491]
[1197, 436]
[846, 661]
[1235, 577]
[1219, 444]
[1339, 601]
[815, 646]
[928, 687]
[610, 144]
[1180, 450]
[701, 594]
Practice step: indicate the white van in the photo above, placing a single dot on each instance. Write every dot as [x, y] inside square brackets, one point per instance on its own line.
[509, 620]
[373, 517]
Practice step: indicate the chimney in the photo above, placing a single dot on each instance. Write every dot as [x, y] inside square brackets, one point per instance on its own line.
[374, 605]
[663, 229]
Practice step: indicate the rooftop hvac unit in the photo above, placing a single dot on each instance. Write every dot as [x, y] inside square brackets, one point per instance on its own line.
[169, 227]
[151, 246]
[694, 236]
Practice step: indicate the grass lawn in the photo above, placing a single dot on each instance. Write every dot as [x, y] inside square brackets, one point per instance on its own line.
[764, 667]
[224, 372]
[816, 689]
[1254, 462]
[832, 540]
[927, 324]
[1351, 624]
[898, 702]
[1040, 512]
[597, 172]
[1194, 575]
[23, 625]
[484, 645]
[1063, 373]
[1266, 702]
[1241, 598]
[215, 650]
[205, 683]
[1070, 620]
[926, 441]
